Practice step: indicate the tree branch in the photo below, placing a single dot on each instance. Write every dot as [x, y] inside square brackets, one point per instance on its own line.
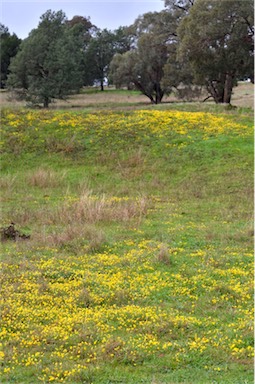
[208, 97]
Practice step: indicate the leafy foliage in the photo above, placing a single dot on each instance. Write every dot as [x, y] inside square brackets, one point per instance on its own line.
[100, 51]
[192, 44]
[143, 65]
[9, 45]
[49, 64]
[98, 56]
[217, 40]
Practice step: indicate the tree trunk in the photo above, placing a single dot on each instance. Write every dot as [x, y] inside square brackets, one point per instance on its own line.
[216, 89]
[228, 86]
[213, 91]
[157, 91]
[46, 102]
[221, 90]
[141, 88]
[159, 94]
[102, 84]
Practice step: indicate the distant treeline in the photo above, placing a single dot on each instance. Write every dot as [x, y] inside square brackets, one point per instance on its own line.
[189, 46]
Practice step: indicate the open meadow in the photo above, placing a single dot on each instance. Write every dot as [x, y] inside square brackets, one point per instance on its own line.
[93, 99]
[139, 265]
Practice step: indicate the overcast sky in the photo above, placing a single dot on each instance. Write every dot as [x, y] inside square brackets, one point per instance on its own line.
[22, 16]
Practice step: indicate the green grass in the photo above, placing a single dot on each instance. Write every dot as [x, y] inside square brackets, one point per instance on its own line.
[139, 266]
[109, 90]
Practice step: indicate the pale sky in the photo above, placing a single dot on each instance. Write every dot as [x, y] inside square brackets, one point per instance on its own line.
[22, 16]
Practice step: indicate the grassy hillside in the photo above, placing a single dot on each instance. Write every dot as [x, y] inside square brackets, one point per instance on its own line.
[139, 268]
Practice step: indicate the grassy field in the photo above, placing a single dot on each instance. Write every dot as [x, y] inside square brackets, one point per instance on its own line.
[139, 268]
[92, 99]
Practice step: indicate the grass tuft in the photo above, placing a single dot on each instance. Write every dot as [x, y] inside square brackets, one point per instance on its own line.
[7, 182]
[163, 255]
[45, 178]
[89, 208]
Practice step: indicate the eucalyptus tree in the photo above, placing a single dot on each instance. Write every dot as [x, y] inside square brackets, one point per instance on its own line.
[180, 7]
[177, 75]
[123, 40]
[103, 45]
[98, 56]
[143, 64]
[216, 38]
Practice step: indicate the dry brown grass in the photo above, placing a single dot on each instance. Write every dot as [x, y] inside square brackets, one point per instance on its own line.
[131, 168]
[45, 178]
[80, 100]
[89, 208]
[85, 299]
[163, 256]
[74, 222]
[114, 347]
[86, 209]
[75, 236]
[7, 182]
[243, 96]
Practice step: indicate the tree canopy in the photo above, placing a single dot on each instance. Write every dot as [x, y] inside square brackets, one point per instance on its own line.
[98, 56]
[100, 51]
[143, 64]
[216, 38]
[49, 63]
[205, 43]
[9, 45]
